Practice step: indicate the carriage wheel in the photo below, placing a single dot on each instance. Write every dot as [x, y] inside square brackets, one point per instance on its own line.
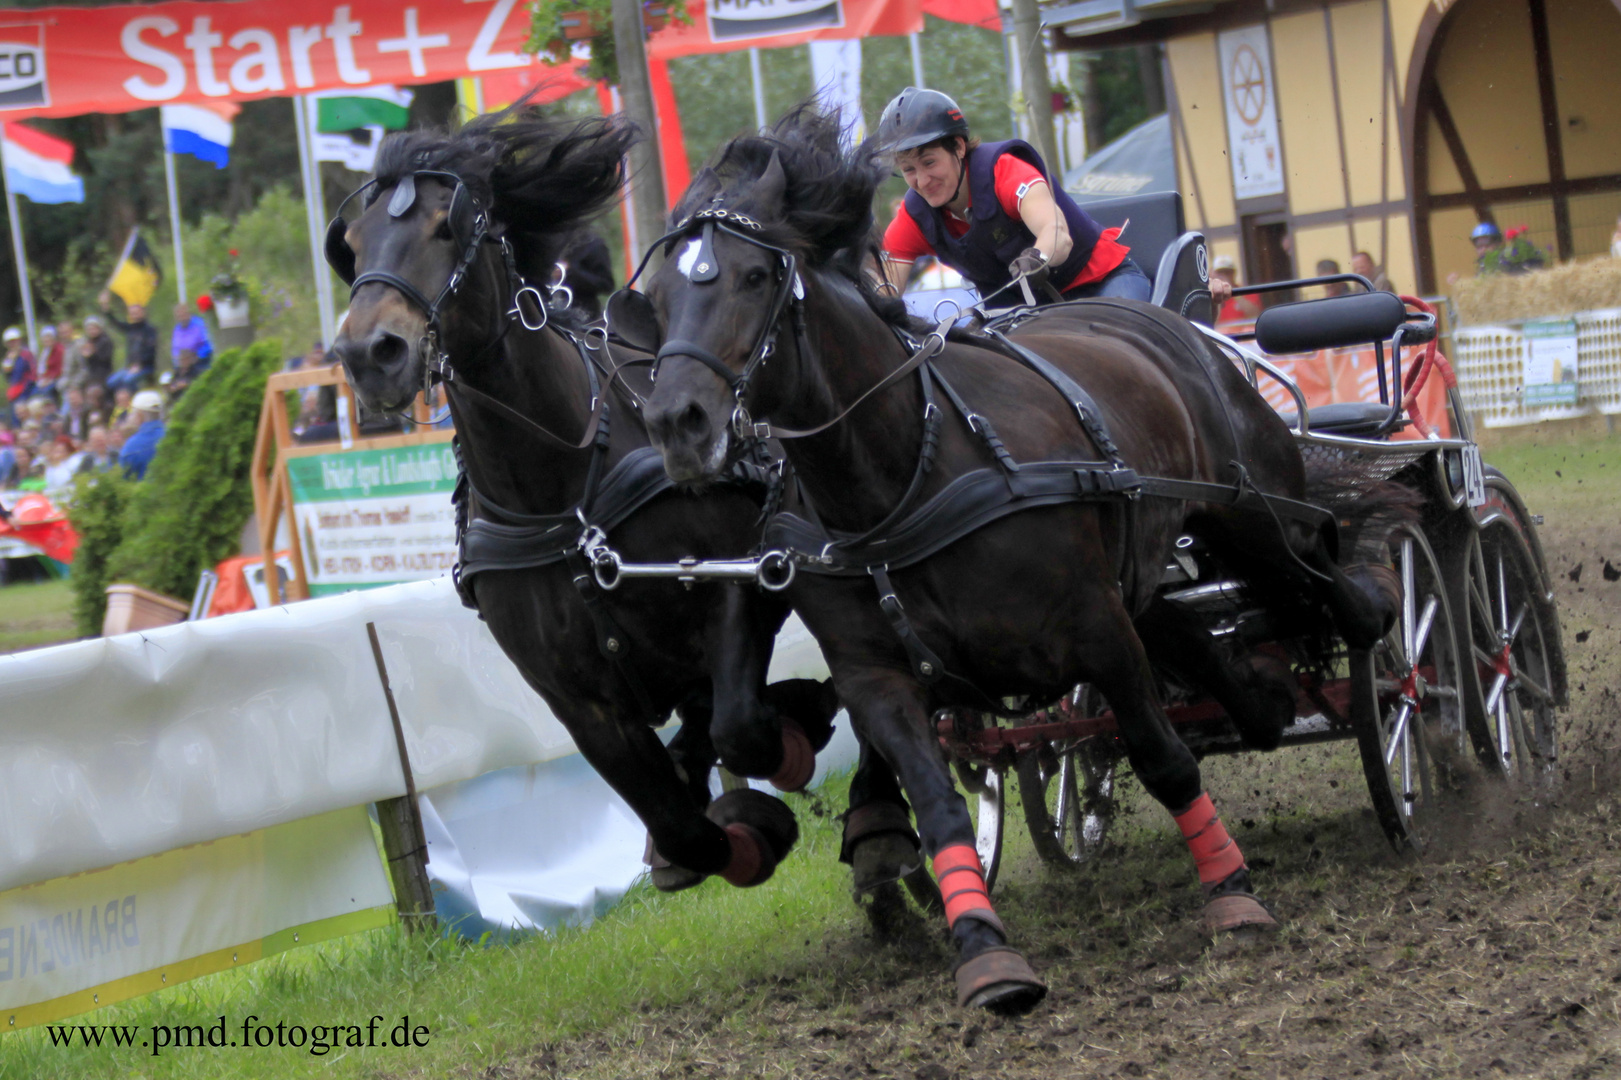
[1069, 809]
[990, 814]
[1406, 705]
[1511, 706]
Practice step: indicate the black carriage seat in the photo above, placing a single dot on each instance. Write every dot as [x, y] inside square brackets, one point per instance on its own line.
[1356, 419]
[1176, 261]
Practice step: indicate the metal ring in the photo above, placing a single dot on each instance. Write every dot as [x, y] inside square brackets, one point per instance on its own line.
[564, 290]
[605, 568]
[775, 571]
[586, 337]
[523, 316]
[954, 305]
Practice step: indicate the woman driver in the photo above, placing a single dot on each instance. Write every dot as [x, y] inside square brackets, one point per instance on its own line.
[988, 211]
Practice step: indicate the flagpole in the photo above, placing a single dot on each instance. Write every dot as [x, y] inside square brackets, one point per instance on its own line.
[22, 265]
[917, 60]
[315, 216]
[759, 89]
[174, 221]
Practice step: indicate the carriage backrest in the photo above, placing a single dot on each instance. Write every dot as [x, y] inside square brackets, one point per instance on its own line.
[1330, 323]
[1155, 224]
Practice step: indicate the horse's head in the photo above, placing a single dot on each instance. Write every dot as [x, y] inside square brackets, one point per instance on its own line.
[721, 295]
[454, 224]
[415, 245]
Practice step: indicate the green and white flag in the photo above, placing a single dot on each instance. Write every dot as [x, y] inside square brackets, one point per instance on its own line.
[349, 124]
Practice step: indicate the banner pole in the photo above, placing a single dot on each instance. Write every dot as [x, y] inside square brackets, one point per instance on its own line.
[174, 222]
[759, 89]
[315, 214]
[22, 266]
[917, 61]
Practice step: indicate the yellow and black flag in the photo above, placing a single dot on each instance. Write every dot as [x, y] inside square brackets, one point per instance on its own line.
[137, 274]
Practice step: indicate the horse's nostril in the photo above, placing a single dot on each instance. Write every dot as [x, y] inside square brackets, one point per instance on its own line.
[387, 348]
[692, 422]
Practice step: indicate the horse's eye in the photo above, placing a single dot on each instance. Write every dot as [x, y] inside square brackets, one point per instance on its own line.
[755, 278]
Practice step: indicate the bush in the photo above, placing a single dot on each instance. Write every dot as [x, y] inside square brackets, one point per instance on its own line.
[188, 513]
[97, 515]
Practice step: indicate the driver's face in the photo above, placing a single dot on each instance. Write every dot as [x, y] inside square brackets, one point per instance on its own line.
[932, 172]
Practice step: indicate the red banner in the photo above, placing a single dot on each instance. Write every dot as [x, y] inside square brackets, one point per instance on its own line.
[71, 61]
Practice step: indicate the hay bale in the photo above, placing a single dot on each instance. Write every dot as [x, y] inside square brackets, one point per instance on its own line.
[1559, 291]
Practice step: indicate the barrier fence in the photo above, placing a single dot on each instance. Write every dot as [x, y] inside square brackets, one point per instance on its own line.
[1491, 366]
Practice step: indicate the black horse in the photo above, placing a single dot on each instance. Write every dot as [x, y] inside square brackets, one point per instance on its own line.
[1010, 553]
[452, 229]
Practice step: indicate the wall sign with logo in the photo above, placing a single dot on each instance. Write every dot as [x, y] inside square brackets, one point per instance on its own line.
[375, 517]
[1250, 94]
[1550, 362]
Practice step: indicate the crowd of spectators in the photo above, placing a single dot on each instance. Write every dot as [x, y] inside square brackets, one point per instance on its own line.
[74, 408]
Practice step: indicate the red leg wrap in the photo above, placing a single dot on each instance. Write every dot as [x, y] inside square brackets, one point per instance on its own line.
[749, 853]
[962, 882]
[798, 759]
[1214, 852]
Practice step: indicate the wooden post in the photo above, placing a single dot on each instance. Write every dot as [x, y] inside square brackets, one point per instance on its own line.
[1037, 87]
[636, 91]
[401, 822]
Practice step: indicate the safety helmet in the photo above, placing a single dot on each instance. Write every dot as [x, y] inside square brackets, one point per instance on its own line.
[12, 334]
[1485, 229]
[918, 117]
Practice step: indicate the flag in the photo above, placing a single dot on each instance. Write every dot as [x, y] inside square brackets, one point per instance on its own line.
[981, 13]
[355, 150]
[386, 107]
[203, 131]
[137, 274]
[39, 166]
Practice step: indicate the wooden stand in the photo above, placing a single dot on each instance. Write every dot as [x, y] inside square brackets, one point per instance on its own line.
[400, 819]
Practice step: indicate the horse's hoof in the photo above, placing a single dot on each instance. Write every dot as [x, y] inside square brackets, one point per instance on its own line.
[999, 979]
[762, 831]
[1270, 686]
[1236, 911]
[882, 858]
[798, 759]
[674, 878]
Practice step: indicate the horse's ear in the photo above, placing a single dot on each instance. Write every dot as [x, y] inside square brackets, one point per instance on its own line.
[773, 183]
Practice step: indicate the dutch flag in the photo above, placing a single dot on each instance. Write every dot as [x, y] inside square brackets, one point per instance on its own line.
[203, 131]
[39, 166]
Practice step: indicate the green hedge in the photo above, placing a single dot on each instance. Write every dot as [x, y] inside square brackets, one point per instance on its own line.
[189, 512]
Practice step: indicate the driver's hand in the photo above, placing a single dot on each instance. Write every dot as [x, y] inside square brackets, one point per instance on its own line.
[1221, 290]
[1030, 263]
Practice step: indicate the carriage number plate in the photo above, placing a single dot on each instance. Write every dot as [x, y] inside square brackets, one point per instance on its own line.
[1474, 477]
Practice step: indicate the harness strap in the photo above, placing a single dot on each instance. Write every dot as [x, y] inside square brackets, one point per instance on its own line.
[925, 664]
[680, 347]
[1085, 407]
[925, 458]
[981, 426]
[612, 641]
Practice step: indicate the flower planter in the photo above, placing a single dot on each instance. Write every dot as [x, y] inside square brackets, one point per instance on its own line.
[231, 312]
[130, 607]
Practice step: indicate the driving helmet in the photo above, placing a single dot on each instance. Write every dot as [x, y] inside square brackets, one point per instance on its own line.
[918, 117]
[1485, 229]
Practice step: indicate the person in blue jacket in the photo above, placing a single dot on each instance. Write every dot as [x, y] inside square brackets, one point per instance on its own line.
[139, 448]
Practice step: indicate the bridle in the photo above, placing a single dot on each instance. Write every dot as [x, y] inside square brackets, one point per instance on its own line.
[470, 228]
[635, 307]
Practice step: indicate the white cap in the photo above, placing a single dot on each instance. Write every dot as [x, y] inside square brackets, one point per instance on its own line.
[1224, 262]
[11, 334]
[147, 401]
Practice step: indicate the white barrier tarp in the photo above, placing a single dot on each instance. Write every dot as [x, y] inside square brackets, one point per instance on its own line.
[121, 747]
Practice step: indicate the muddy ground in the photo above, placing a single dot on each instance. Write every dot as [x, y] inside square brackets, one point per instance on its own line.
[1499, 956]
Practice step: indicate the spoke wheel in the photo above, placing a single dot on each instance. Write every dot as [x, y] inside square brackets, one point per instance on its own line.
[1069, 800]
[1406, 702]
[990, 819]
[1511, 709]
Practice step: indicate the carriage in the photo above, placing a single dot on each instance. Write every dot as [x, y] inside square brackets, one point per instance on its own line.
[1468, 678]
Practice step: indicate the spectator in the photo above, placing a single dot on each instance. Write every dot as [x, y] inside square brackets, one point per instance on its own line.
[98, 453]
[42, 411]
[1362, 263]
[140, 337]
[1235, 309]
[190, 332]
[189, 367]
[62, 464]
[121, 414]
[74, 420]
[147, 418]
[1496, 253]
[51, 356]
[131, 378]
[1328, 268]
[90, 361]
[18, 366]
[25, 474]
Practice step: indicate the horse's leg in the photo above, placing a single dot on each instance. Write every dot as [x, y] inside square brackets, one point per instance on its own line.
[1256, 695]
[694, 758]
[1118, 666]
[889, 712]
[879, 843]
[770, 732]
[742, 835]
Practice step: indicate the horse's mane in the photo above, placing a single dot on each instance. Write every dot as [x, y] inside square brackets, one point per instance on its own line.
[541, 178]
[825, 216]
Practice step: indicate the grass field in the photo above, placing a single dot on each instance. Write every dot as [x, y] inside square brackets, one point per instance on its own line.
[1497, 956]
[35, 613]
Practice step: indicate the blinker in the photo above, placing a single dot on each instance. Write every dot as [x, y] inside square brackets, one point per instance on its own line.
[405, 193]
[631, 318]
[706, 267]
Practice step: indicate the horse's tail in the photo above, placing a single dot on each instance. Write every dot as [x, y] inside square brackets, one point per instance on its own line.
[1367, 510]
